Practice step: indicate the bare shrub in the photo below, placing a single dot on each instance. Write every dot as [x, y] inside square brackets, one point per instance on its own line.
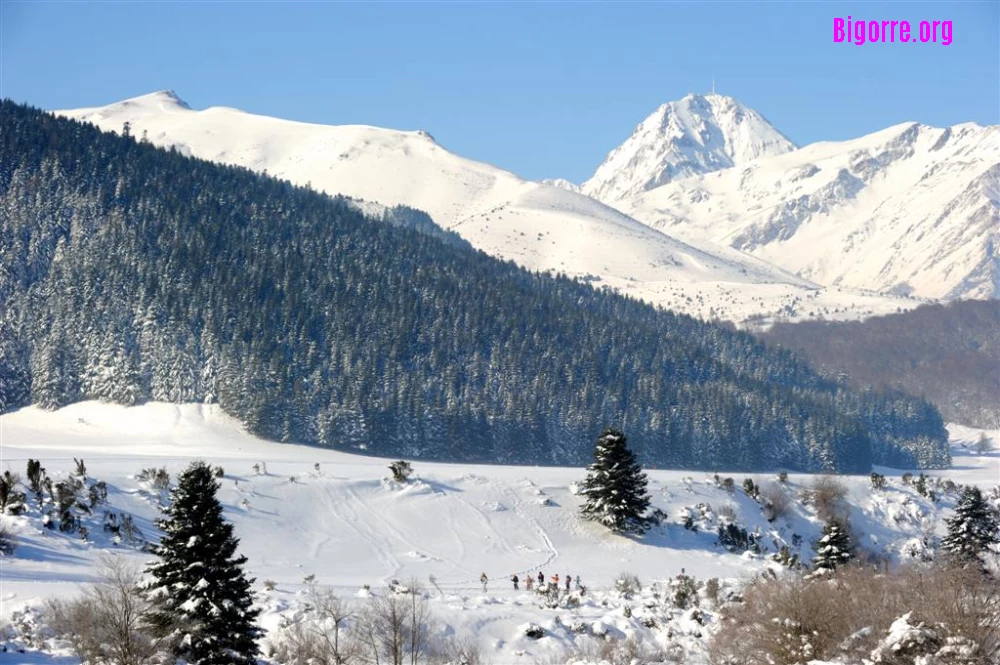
[828, 497]
[774, 501]
[158, 478]
[726, 513]
[843, 615]
[456, 651]
[395, 629]
[321, 636]
[628, 651]
[712, 590]
[105, 624]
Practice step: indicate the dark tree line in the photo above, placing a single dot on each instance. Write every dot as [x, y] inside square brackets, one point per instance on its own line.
[950, 354]
[129, 273]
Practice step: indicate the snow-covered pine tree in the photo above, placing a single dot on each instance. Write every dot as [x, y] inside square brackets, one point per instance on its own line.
[202, 599]
[973, 527]
[834, 547]
[615, 487]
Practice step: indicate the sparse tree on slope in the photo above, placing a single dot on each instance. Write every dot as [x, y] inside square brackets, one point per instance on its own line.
[615, 487]
[202, 598]
[973, 528]
[834, 547]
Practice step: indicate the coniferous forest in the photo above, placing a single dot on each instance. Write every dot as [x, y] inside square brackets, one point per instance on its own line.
[129, 273]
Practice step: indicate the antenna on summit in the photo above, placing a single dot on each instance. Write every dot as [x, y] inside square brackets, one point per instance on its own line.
[713, 85]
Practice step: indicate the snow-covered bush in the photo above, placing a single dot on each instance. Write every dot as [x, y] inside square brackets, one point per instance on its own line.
[8, 540]
[621, 651]
[534, 631]
[401, 471]
[11, 498]
[684, 591]
[628, 584]
[736, 538]
[912, 641]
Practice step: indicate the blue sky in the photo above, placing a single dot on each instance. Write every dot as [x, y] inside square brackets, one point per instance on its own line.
[543, 89]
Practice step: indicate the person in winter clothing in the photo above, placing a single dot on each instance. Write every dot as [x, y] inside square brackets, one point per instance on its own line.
[483, 579]
[569, 580]
[513, 578]
[528, 580]
[579, 585]
[555, 579]
[541, 578]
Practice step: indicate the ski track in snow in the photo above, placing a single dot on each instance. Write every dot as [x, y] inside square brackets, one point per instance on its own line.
[517, 507]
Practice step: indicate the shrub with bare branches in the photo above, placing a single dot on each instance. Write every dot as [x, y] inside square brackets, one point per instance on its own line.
[395, 629]
[105, 624]
[321, 636]
[844, 615]
[828, 496]
[774, 501]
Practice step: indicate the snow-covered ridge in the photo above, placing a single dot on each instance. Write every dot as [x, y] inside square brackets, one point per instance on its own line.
[695, 135]
[910, 209]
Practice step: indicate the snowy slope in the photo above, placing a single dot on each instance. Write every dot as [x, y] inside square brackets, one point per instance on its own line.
[536, 225]
[349, 526]
[695, 135]
[908, 210]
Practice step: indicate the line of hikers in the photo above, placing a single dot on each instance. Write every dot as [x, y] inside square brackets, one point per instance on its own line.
[529, 582]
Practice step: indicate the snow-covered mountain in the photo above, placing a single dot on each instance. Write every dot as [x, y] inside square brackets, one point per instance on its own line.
[911, 209]
[539, 226]
[698, 134]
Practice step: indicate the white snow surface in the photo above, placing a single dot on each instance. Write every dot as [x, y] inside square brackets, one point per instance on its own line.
[910, 209]
[696, 135]
[349, 525]
[539, 226]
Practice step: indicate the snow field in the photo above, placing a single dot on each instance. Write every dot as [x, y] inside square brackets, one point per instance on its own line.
[348, 525]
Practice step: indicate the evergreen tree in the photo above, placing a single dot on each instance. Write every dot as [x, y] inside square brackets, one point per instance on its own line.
[202, 597]
[973, 528]
[615, 487]
[834, 547]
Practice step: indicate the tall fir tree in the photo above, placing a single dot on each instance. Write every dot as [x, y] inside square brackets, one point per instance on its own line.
[834, 547]
[202, 598]
[615, 487]
[973, 527]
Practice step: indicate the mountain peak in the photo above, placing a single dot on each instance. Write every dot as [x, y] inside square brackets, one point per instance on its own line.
[694, 135]
[160, 100]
